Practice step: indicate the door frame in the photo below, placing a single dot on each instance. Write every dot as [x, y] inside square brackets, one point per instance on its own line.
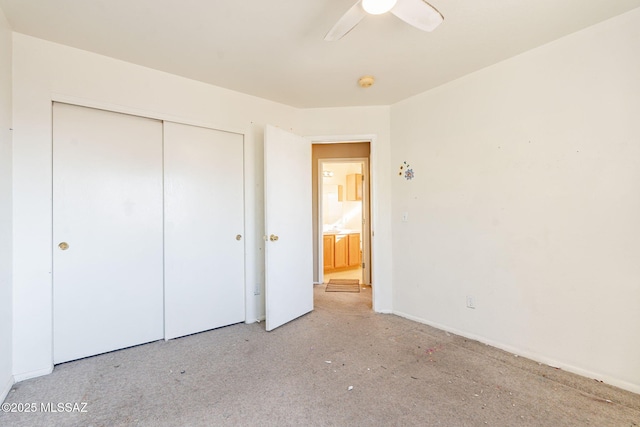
[366, 213]
[373, 197]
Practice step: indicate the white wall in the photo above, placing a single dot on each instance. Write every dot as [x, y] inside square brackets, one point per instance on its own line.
[44, 71]
[6, 378]
[526, 197]
[327, 124]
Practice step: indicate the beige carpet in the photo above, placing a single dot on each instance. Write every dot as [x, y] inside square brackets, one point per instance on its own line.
[340, 365]
[343, 285]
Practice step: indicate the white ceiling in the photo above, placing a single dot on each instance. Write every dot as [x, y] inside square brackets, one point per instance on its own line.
[274, 49]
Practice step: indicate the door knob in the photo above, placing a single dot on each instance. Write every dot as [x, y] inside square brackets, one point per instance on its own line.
[63, 245]
[273, 238]
[238, 236]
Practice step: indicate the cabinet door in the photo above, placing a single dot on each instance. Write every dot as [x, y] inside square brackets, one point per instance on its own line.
[328, 250]
[341, 251]
[354, 186]
[354, 249]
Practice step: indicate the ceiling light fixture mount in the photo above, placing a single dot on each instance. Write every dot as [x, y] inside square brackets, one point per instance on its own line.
[378, 7]
[366, 81]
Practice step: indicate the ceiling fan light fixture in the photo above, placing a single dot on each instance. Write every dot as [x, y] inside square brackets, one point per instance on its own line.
[378, 7]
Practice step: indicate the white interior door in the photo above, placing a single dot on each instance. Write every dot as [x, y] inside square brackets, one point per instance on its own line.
[107, 231]
[288, 225]
[204, 228]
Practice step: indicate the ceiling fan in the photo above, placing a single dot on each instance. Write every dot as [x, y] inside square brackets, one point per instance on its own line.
[418, 13]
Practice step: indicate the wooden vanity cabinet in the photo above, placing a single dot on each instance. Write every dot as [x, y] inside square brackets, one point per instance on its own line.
[341, 251]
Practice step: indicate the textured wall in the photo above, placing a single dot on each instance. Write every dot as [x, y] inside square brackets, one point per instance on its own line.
[525, 198]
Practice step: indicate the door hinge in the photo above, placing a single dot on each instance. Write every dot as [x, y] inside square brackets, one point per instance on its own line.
[363, 265]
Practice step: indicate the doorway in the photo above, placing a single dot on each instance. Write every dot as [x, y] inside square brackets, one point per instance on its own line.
[341, 215]
[342, 244]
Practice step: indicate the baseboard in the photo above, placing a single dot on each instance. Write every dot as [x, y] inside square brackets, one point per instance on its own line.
[6, 388]
[617, 382]
[32, 374]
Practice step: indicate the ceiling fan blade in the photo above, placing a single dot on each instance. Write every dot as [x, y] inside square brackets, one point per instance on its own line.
[418, 13]
[345, 24]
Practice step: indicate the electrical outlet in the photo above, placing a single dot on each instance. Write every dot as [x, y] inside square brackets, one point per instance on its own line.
[405, 216]
[471, 303]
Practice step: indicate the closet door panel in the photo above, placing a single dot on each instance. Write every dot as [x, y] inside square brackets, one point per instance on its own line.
[204, 229]
[107, 231]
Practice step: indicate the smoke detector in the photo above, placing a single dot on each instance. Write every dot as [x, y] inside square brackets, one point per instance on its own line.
[366, 81]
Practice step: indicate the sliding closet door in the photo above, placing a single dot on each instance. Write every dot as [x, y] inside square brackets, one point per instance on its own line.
[204, 229]
[107, 231]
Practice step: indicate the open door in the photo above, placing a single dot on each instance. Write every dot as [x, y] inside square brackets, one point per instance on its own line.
[288, 227]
